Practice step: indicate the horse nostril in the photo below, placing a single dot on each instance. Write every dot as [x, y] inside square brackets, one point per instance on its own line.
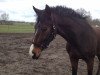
[34, 56]
[32, 52]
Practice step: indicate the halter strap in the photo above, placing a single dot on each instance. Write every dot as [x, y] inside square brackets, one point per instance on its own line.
[54, 26]
[54, 30]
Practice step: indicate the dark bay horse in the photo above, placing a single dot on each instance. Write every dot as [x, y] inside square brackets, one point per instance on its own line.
[73, 27]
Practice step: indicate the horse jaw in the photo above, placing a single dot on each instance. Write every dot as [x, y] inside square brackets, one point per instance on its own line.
[31, 50]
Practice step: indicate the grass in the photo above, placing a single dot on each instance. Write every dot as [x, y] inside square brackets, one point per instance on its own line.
[17, 28]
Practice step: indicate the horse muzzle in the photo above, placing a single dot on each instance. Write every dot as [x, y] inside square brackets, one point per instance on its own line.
[34, 52]
[35, 56]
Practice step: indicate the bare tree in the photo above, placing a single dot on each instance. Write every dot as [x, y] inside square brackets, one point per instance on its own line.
[86, 14]
[4, 16]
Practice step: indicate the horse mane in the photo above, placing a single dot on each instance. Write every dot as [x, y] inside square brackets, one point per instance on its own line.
[67, 12]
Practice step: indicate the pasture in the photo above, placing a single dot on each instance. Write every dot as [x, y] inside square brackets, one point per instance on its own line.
[15, 60]
[17, 28]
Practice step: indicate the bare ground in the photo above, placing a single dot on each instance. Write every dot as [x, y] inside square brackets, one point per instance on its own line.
[15, 60]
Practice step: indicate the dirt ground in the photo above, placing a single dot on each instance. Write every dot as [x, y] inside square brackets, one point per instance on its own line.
[15, 60]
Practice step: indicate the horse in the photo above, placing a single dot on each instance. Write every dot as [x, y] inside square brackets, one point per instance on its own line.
[73, 27]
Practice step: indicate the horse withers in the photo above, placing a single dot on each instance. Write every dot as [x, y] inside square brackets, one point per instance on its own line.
[73, 27]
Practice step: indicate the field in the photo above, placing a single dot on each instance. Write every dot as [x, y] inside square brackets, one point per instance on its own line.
[17, 28]
[15, 60]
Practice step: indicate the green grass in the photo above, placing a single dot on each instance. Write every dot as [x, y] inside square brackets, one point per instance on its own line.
[17, 28]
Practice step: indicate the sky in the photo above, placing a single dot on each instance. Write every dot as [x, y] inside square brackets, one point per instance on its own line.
[21, 10]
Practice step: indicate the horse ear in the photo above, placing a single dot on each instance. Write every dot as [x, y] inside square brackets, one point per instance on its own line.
[37, 11]
[48, 10]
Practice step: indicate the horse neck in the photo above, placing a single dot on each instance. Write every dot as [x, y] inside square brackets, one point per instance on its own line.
[67, 28]
[66, 31]
[59, 26]
[73, 32]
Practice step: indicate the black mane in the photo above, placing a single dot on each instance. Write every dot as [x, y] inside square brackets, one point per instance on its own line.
[67, 12]
[63, 12]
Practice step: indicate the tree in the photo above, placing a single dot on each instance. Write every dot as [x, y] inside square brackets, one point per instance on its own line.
[86, 14]
[4, 16]
[96, 22]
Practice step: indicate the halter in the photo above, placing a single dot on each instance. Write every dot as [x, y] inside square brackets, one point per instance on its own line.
[54, 26]
[54, 30]
[49, 38]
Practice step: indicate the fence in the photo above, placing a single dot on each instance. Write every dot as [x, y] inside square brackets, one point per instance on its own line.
[17, 28]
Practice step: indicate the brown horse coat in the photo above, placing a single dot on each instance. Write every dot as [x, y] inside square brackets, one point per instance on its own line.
[97, 30]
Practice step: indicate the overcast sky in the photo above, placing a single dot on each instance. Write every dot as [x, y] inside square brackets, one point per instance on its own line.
[22, 9]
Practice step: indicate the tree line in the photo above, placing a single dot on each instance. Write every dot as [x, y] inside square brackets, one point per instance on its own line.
[88, 16]
[4, 18]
